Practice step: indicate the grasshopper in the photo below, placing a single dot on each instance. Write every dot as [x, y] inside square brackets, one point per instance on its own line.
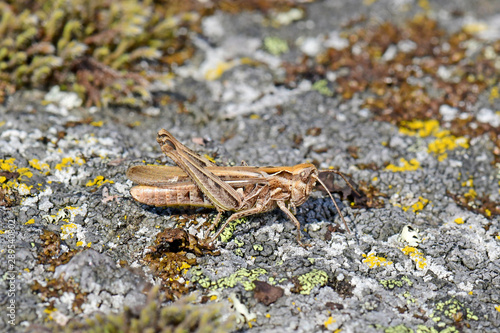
[245, 190]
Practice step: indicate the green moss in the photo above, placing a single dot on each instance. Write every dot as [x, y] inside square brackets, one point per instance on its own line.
[181, 316]
[43, 44]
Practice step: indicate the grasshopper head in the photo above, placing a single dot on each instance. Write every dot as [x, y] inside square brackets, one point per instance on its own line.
[166, 140]
[303, 179]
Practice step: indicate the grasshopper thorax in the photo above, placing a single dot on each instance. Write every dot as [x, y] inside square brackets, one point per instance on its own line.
[303, 180]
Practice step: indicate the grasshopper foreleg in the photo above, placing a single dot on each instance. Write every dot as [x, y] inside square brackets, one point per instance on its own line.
[292, 217]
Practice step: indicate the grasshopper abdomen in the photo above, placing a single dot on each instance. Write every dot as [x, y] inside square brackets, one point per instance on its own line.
[181, 195]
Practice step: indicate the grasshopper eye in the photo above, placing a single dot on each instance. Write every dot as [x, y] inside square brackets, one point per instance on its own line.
[170, 144]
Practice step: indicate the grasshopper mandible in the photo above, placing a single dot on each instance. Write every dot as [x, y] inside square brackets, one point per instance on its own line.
[245, 190]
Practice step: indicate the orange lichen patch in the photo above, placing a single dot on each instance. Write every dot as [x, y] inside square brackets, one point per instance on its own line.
[416, 256]
[99, 181]
[411, 165]
[373, 261]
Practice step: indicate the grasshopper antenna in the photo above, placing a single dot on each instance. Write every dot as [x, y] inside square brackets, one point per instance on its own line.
[344, 178]
[333, 200]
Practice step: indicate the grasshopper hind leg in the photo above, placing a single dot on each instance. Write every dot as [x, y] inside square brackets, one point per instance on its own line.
[231, 218]
[214, 223]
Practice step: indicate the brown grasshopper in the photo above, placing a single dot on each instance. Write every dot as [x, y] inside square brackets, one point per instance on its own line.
[245, 190]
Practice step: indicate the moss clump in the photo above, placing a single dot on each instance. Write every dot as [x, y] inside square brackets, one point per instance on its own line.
[100, 49]
[181, 316]
[106, 51]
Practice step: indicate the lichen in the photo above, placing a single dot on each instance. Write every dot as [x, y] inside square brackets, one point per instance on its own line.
[411, 165]
[305, 283]
[373, 261]
[417, 256]
[243, 276]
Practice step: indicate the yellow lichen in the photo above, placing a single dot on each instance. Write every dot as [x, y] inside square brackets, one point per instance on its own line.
[49, 312]
[69, 161]
[474, 27]
[99, 181]
[494, 94]
[221, 67]
[209, 158]
[443, 142]
[24, 189]
[422, 128]
[43, 167]
[68, 230]
[417, 206]
[416, 256]
[471, 194]
[97, 123]
[468, 183]
[8, 165]
[373, 261]
[412, 165]
[459, 220]
[329, 321]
